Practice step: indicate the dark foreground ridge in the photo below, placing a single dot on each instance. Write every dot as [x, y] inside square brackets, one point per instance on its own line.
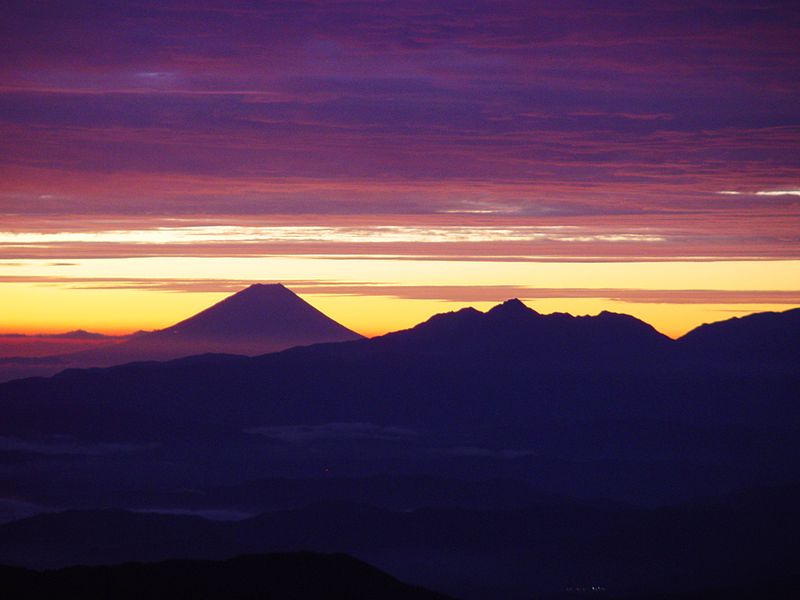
[300, 576]
[728, 541]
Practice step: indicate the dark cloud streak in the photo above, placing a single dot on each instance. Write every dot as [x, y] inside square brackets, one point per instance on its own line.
[402, 109]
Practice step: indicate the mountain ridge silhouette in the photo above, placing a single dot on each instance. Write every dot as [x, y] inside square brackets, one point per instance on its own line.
[258, 319]
[519, 553]
[589, 407]
[261, 310]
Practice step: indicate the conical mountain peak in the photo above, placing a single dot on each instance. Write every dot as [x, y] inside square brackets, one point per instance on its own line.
[258, 319]
[262, 311]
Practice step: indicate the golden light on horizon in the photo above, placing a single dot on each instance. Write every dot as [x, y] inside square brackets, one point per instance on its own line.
[374, 295]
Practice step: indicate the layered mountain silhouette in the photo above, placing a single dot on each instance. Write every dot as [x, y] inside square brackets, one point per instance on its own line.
[769, 337]
[259, 319]
[514, 330]
[262, 314]
[592, 406]
[523, 553]
[541, 440]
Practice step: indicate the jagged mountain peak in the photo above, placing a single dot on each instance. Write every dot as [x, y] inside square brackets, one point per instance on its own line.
[512, 307]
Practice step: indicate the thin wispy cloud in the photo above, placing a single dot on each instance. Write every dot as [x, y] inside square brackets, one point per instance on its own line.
[363, 235]
[778, 193]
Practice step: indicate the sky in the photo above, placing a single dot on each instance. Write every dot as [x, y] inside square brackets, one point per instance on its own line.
[392, 160]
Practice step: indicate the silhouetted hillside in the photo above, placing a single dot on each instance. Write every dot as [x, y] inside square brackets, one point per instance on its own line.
[470, 554]
[466, 431]
[615, 411]
[515, 331]
[758, 338]
[302, 576]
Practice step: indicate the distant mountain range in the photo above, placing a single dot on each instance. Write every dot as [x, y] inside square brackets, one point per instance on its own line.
[514, 331]
[76, 334]
[259, 319]
[509, 438]
[265, 318]
[596, 406]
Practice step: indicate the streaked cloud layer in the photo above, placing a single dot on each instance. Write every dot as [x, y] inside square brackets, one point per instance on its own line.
[374, 294]
[397, 108]
[397, 133]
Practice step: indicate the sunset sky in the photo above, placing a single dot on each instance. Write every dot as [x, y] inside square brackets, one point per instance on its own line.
[391, 160]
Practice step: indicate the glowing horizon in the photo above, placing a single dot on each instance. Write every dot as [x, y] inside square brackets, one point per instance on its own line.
[389, 161]
[121, 295]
